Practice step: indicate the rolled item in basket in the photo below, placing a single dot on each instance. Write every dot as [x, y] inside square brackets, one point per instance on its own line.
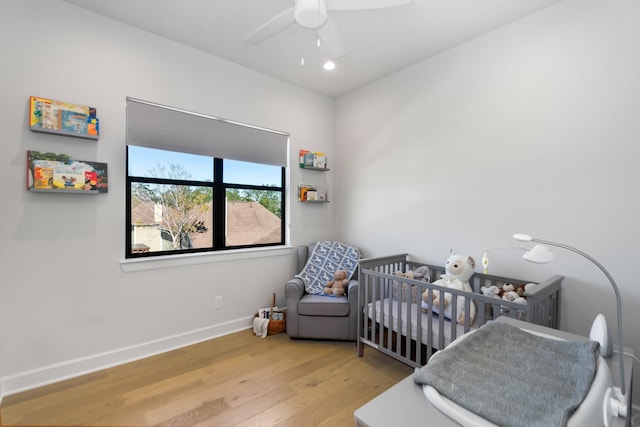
[260, 326]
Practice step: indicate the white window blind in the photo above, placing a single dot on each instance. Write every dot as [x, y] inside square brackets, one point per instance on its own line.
[167, 128]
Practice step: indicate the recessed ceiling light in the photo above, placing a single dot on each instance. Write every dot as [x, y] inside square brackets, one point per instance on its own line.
[329, 65]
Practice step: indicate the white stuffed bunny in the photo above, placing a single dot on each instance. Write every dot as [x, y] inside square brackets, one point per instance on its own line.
[459, 269]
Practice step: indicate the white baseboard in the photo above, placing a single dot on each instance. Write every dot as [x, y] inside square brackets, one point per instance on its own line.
[39, 377]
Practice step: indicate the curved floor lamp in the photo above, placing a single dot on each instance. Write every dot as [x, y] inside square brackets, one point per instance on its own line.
[616, 406]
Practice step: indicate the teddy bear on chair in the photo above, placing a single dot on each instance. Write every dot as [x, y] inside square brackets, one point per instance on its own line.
[338, 285]
[459, 269]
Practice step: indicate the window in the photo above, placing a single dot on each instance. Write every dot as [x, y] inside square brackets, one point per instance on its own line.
[195, 191]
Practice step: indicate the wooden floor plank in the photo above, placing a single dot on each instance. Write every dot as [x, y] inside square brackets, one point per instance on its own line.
[235, 380]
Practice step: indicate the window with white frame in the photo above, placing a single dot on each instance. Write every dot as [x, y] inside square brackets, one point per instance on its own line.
[198, 183]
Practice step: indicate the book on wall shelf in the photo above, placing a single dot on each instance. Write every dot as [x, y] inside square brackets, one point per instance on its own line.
[313, 160]
[303, 191]
[59, 173]
[63, 118]
[311, 194]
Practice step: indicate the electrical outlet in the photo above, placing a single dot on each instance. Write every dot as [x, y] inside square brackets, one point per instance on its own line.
[218, 303]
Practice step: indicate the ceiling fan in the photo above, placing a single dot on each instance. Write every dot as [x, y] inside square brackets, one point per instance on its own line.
[313, 14]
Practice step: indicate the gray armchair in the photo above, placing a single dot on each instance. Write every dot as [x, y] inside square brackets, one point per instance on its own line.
[316, 316]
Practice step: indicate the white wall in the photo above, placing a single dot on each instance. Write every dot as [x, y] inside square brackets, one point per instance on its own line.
[66, 305]
[532, 128]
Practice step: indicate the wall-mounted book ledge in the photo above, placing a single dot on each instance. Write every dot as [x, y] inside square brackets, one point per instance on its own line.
[313, 160]
[59, 173]
[63, 118]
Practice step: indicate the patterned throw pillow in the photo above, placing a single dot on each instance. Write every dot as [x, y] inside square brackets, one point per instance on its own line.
[326, 258]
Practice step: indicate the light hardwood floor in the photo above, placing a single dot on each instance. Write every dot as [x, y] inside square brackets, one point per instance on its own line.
[235, 380]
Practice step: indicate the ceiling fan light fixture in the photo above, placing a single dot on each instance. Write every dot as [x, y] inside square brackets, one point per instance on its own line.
[310, 13]
[314, 15]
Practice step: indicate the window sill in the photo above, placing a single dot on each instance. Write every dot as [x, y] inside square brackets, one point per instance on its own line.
[154, 263]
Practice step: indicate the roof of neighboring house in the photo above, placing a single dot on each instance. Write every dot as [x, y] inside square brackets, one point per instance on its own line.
[251, 223]
[247, 223]
[142, 214]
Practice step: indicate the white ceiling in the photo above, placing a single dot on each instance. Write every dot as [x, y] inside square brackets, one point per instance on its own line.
[378, 42]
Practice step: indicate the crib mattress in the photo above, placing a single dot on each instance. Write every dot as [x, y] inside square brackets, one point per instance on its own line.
[393, 314]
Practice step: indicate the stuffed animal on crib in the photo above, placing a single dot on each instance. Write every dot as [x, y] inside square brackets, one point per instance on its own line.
[510, 292]
[337, 286]
[402, 290]
[516, 294]
[491, 291]
[458, 269]
[421, 273]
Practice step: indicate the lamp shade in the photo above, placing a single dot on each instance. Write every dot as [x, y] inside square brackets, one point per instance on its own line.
[538, 254]
[522, 237]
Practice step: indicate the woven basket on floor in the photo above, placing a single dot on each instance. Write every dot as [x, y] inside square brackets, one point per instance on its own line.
[276, 326]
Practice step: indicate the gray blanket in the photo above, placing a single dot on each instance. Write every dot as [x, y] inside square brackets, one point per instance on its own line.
[513, 378]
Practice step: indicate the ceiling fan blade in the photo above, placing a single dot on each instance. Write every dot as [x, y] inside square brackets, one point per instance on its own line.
[331, 39]
[364, 4]
[273, 27]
